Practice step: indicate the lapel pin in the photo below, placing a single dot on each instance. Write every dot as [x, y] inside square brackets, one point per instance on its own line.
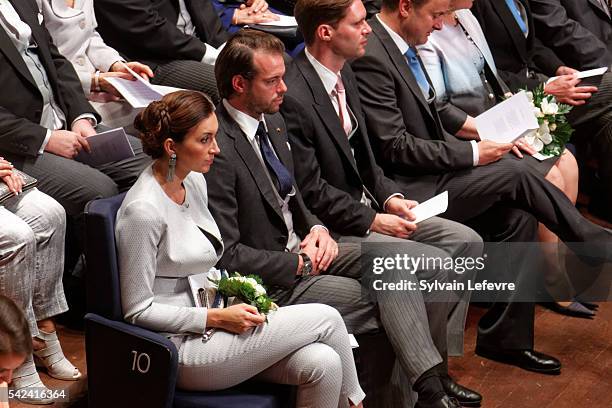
[278, 130]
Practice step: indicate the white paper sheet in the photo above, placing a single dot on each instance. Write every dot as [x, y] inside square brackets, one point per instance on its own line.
[585, 74]
[430, 208]
[139, 93]
[353, 341]
[508, 120]
[284, 21]
[106, 147]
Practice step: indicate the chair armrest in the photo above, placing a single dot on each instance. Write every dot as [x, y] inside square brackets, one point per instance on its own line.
[128, 366]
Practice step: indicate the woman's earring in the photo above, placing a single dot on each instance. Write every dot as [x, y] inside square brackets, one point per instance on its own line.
[171, 167]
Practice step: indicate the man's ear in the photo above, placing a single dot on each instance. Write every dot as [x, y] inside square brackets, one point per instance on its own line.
[324, 32]
[239, 84]
[405, 7]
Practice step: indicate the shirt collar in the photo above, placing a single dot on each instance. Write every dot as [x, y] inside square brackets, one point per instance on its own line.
[328, 77]
[246, 123]
[397, 39]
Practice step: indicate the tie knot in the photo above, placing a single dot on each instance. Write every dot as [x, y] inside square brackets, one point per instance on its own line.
[411, 54]
[339, 84]
[261, 129]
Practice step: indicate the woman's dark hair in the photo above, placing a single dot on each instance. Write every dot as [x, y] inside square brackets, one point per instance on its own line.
[15, 337]
[171, 117]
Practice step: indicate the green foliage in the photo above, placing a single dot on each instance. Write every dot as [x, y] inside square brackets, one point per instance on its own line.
[232, 287]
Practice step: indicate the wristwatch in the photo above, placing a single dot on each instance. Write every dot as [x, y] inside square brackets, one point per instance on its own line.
[307, 265]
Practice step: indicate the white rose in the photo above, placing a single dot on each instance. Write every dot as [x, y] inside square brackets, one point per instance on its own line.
[549, 108]
[529, 96]
[537, 112]
[252, 282]
[534, 141]
[553, 127]
[259, 291]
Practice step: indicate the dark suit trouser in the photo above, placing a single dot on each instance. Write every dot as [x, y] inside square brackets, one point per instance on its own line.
[188, 74]
[593, 138]
[474, 192]
[507, 324]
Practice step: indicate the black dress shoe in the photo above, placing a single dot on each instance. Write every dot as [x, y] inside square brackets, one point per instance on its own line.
[463, 395]
[526, 359]
[443, 402]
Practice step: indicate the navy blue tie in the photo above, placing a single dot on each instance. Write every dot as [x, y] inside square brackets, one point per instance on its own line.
[280, 175]
[417, 70]
[517, 15]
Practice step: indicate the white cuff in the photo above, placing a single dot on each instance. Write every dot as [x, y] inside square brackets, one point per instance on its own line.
[45, 142]
[400, 195]
[475, 154]
[319, 226]
[211, 54]
[86, 116]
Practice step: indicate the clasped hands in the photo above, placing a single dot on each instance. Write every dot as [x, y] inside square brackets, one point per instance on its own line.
[253, 12]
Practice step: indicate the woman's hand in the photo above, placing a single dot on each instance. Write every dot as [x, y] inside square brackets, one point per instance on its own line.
[235, 319]
[13, 180]
[247, 15]
[141, 69]
[257, 6]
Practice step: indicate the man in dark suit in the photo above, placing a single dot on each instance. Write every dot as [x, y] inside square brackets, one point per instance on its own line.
[487, 188]
[523, 62]
[179, 39]
[335, 166]
[45, 118]
[268, 229]
[578, 31]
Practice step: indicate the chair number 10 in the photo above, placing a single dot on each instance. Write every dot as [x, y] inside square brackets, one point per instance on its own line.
[141, 361]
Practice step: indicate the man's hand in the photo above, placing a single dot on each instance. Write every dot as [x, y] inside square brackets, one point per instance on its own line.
[565, 89]
[489, 152]
[13, 180]
[327, 248]
[310, 250]
[66, 144]
[401, 207]
[391, 224]
[84, 128]
[563, 70]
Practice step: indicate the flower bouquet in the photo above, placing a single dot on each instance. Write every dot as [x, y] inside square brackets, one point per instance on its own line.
[248, 288]
[554, 131]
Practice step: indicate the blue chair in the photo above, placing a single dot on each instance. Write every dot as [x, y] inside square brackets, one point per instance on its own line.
[129, 366]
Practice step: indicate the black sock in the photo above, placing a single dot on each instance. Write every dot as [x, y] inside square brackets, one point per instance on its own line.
[428, 385]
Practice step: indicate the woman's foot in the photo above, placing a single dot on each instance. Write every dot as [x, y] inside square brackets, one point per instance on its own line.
[52, 358]
[573, 309]
[27, 385]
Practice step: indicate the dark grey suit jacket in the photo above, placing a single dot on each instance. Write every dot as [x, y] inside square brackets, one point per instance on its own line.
[145, 30]
[405, 130]
[332, 180]
[578, 31]
[243, 203]
[518, 58]
[20, 100]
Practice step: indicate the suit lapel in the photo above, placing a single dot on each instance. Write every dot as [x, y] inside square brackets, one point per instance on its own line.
[12, 55]
[400, 63]
[250, 159]
[512, 27]
[324, 108]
